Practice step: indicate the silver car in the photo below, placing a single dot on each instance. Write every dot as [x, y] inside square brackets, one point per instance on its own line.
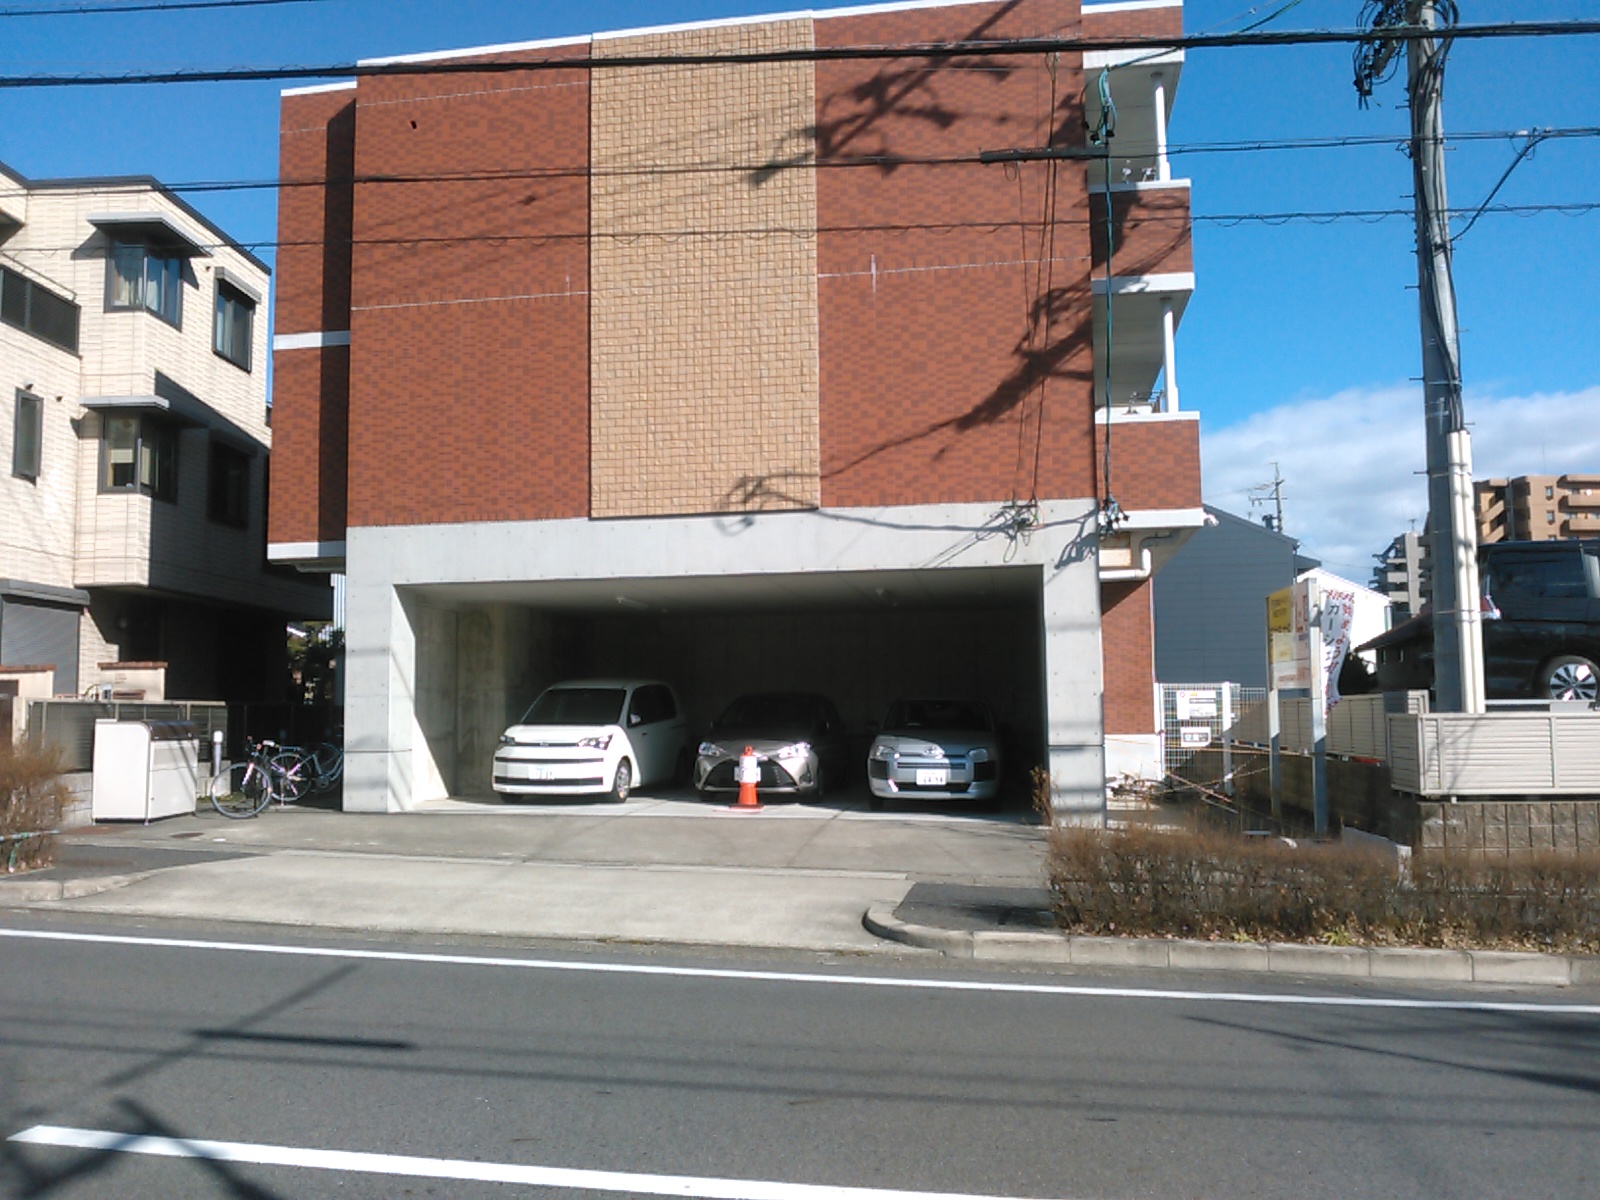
[935, 750]
[799, 742]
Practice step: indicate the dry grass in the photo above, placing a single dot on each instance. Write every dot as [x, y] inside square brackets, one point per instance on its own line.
[32, 798]
[1218, 886]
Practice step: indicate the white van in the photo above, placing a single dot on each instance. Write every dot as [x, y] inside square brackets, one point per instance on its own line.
[595, 737]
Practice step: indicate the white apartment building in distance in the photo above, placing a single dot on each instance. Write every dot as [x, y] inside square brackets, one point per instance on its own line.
[134, 436]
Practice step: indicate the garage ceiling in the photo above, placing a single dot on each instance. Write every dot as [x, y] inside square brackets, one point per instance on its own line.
[940, 588]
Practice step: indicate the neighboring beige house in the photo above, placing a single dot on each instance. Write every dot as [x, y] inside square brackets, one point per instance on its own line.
[1537, 508]
[133, 447]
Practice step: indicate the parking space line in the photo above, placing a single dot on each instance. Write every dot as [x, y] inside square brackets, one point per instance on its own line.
[410, 1166]
[583, 967]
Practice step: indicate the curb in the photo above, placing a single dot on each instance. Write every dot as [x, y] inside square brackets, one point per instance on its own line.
[1175, 954]
[22, 892]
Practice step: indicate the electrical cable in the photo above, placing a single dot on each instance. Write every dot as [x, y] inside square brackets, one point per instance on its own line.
[86, 10]
[1011, 47]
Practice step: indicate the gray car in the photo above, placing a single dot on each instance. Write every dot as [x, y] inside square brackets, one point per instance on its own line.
[935, 750]
[800, 743]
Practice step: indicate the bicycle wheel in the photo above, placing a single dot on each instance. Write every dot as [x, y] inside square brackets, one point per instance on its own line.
[240, 791]
[291, 775]
[327, 764]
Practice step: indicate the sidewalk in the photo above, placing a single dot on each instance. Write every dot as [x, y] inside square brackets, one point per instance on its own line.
[651, 870]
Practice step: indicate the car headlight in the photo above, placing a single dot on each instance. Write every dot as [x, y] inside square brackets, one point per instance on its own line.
[595, 743]
[980, 754]
[507, 740]
[883, 751]
[798, 750]
[712, 750]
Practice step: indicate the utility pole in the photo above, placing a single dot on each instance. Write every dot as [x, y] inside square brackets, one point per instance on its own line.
[1262, 492]
[1452, 533]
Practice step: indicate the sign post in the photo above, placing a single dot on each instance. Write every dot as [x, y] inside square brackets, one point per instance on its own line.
[1312, 617]
[1280, 674]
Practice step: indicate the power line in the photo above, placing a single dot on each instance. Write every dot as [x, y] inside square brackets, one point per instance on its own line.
[1325, 217]
[84, 10]
[876, 161]
[924, 51]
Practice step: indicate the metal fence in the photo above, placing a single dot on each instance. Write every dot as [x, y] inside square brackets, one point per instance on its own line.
[68, 725]
[1194, 717]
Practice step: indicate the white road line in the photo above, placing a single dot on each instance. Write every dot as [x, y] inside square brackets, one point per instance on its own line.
[804, 977]
[449, 1168]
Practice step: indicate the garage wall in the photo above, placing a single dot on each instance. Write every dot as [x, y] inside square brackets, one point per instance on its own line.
[863, 661]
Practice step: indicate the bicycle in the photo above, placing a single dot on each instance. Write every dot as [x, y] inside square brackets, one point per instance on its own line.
[247, 787]
[309, 771]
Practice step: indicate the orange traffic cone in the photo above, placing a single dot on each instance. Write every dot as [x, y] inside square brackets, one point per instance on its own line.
[749, 776]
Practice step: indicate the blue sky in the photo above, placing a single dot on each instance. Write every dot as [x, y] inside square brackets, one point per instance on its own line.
[1293, 330]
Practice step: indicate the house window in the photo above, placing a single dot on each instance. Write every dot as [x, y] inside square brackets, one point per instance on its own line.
[235, 320]
[27, 443]
[143, 277]
[1549, 493]
[1549, 518]
[229, 498]
[138, 454]
[37, 310]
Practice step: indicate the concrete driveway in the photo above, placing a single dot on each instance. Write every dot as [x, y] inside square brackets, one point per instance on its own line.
[659, 868]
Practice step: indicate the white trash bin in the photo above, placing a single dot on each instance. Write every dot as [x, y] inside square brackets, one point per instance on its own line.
[145, 770]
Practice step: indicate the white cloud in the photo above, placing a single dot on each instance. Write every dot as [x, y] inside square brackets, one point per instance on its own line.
[1352, 462]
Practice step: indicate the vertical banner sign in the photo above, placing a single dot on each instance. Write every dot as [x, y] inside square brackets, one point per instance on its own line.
[1338, 612]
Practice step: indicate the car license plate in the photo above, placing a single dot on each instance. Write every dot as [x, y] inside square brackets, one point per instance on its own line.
[932, 778]
[541, 774]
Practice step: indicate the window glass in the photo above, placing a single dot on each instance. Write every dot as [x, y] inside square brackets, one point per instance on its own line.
[577, 706]
[771, 715]
[232, 326]
[27, 436]
[1591, 570]
[1555, 575]
[142, 277]
[121, 443]
[229, 497]
[652, 703]
[952, 716]
[31, 307]
[138, 454]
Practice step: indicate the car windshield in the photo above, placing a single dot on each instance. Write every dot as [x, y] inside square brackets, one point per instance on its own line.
[951, 716]
[577, 706]
[769, 714]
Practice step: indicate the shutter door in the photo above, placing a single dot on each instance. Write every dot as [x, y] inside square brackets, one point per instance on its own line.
[34, 634]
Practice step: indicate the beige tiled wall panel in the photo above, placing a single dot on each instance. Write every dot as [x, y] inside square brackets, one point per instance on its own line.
[703, 348]
[36, 516]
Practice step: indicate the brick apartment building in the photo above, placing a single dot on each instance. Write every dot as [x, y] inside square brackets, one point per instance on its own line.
[741, 376]
[133, 450]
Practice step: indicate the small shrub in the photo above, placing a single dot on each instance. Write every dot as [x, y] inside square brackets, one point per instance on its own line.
[1040, 793]
[1212, 885]
[32, 798]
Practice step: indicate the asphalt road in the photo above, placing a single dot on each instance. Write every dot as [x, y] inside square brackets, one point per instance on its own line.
[746, 1075]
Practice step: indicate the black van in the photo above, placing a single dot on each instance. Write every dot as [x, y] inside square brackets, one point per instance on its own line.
[1545, 643]
[1541, 628]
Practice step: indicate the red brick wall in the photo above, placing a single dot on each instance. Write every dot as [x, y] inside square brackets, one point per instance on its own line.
[1127, 651]
[934, 334]
[310, 445]
[470, 363]
[310, 387]
[1154, 464]
[1150, 232]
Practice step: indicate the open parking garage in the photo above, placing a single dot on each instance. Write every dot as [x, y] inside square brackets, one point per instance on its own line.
[454, 630]
[862, 639]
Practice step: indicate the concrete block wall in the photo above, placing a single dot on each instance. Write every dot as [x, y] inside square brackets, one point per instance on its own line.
[1512, 828]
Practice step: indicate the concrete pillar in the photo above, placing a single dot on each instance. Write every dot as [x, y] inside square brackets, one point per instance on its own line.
[1074, 691]
[1158, 83]
[1169, 354]
[380, 672]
